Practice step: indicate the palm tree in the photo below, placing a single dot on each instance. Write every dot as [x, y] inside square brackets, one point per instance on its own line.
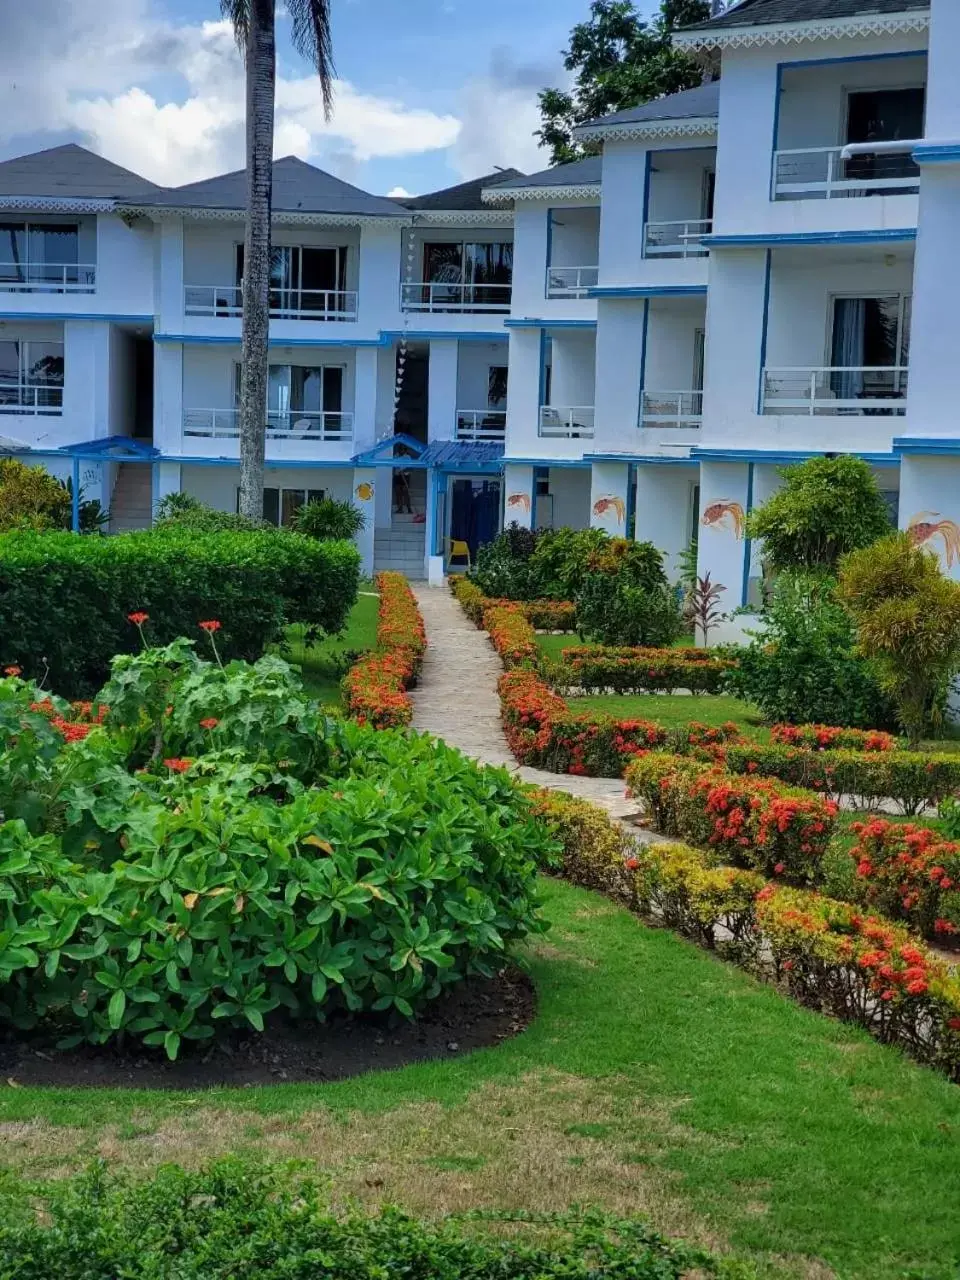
[255, 24]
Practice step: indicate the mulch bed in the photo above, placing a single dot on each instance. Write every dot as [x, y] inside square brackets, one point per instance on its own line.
[474, 1015]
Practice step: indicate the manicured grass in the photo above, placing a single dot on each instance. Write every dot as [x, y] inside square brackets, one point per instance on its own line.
[323, 664]
[677, 709]
[655, 1080]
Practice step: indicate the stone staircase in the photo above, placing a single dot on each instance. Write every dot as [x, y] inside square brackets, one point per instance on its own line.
[401, 548]
[131, 503]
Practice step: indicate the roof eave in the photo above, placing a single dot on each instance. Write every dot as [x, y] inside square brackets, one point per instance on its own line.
[577, 191]
[647, 130]
[62, 204]
[402, 218]
[463, 217]
[858, 26]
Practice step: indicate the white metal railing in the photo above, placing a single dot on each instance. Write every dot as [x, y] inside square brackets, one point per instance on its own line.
[224, 424]
[571, 282]
[481, 424]
[676, 239]
[877, 390]
[671, 409]
[47, 277]
[285, 304]
[566, 424]
[429, 295]
[30, 397]
[821, 173]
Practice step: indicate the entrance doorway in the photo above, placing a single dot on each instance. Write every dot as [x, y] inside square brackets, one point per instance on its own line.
[475, 504]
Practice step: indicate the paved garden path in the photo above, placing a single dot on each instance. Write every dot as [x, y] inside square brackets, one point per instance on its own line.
[456, 700]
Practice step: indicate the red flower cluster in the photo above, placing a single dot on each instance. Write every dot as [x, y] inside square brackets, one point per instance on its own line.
[643, 670]
[511, 635]
[75, 724]
[178, 765]
[211, 626]
[210, 722]
[138, 618]
[823, 737]
[375, 688]
[12, 671]
[910, 873]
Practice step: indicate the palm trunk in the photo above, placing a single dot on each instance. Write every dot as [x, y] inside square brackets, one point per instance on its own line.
[254, 375]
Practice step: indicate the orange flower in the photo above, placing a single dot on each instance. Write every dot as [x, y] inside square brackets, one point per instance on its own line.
[211, 722]
[12, 671]
[178, 765]
[138, 618]
[210, 626]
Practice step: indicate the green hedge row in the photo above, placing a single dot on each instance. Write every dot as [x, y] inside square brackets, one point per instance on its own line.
[64, 601]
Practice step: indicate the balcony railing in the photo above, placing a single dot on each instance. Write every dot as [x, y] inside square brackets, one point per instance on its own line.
[566, 424]
[671, 409]
[433, 296]
[571, 282]
[877, 391]
[47, 277]
[285, 304]
[676, 239]
[481, 424]
[821, 173]
[30, 398]
[224, 424]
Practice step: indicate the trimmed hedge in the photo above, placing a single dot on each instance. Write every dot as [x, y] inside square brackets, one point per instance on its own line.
[375, 688]
[543, 615]
[511, 635]
[912, 779]
[910, 873]
[825, 737]
[64, 600]
[755, 822]
[642, 670]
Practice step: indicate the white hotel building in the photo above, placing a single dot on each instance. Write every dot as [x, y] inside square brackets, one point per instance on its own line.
[753, 272]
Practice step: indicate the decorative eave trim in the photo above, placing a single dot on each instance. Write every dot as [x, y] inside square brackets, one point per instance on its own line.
[60, 204]
[463, 218]
[648, 130]
[647, 291]
[929, 153]
[857, 27]
[582, 191]
[280, 217]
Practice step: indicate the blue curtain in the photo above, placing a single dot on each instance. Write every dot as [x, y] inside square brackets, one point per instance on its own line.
[849, 335]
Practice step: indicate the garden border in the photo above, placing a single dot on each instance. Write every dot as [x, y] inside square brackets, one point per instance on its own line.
[375, 688]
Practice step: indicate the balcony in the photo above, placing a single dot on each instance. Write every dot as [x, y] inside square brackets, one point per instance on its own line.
[434, 296]
[285, 304]
[671, 409]
[566, 424]
[571, 282]
[821, 173]
[47, 277]
[33, 398]
[676, 239]
[482, 424]
[224, 424]
[851, 392]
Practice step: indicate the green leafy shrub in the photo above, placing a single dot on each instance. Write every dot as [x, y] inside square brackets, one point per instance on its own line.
[31, 498]
[240, 1219]
[561, 560]
[216, 849]
[505, 569]
[639, 670]
[804, 667]
[825, 508]
[329, 518]
[614, 611]
[908, 622]
[64, 600]
[184, 511]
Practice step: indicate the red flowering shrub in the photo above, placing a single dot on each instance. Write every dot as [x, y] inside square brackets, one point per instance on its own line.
[912, 874]
[375, 688]
[641, 670]
[824, 737]
[511, 635]
[754, 822]
[543, 615]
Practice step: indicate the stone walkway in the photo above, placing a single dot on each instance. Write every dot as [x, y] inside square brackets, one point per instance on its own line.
[456, 699]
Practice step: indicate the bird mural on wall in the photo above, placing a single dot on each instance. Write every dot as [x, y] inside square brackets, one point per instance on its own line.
[521, 500]
[921, 531]
[718, 514]
[603, 505]
[364, 492]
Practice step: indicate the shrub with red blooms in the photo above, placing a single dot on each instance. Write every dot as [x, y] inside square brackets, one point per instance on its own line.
[511, 635]
[543, 615]
[375, 688]
[824, 737]
[912, 874]
[640, 670]
[75, 723]
[754, 822]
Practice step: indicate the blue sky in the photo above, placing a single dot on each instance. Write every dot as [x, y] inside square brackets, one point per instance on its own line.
[429, 91]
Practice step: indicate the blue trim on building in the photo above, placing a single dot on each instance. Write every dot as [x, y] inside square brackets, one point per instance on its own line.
[643, 353]
[647, 171]
[218, 340]
[542, 373]
[780, 457]
[747, 544]
[641, 459]
[932, 446]
[550, 463]
[65, 315]
[647, 291]
[774, 239]
[861, 57]
[931, 153]
[765, 329]
[550, 324]
[432, 335]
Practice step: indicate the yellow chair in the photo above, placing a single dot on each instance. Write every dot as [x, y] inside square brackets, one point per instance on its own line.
[458, 550]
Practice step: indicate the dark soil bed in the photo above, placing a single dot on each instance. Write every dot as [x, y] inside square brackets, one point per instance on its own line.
[475, 1015]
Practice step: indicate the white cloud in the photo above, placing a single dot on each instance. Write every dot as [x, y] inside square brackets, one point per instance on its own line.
[499, 114]
[399, 193]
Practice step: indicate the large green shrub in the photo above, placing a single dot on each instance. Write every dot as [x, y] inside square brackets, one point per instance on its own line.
[803, 667]
[238, 1219]
[561, 560]
[329, 518]
[31, 498]
[64, 600]
[505, 569]
[826, 507]
[216, 849]
[908, 621]
[184, 511]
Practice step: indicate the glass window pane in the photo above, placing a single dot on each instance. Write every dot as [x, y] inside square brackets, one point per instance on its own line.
[905, 332]
[13, 245]
[443, 263]
[271, 506]
[290, 504]
[497, 386]
[333, 389]
[306, 389]
[315, 495]
[318, 275]
[54, 244]
[881, 331]
[43, 363]
[9, 362]
[278, 391]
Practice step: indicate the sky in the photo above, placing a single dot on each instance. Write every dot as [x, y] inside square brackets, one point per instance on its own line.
[428, 92]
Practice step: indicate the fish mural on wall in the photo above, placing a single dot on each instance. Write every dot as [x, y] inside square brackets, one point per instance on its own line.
[364, 492]
[921, 531]
[603, 505]
[521, 500]
[717, 515]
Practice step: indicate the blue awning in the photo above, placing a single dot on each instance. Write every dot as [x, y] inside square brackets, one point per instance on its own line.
[464, 455]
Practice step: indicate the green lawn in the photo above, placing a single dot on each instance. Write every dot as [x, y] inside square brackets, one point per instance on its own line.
[553, 646]
[655, 1080]
[677, 709]
[323, 664]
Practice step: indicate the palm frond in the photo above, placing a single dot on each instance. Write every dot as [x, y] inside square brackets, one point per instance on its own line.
[238, 11]
[312, 38]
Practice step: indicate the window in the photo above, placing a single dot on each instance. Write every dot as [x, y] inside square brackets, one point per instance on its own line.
[497, 387]
[301, 392]
[304, 278]
[280, 505]
[31, 376]
[884, 115]
[476, 273]
[699, 352]
[707, 195]
[37, 253]
[870, 345]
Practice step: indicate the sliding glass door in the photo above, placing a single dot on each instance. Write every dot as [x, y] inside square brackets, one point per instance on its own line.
[885, 115]
[870, 347]
[304, 278]
[45, 254]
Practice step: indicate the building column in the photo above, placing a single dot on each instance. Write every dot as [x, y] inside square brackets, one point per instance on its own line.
[930, 506]
[434, 565]
[364, 499]
[609, 497]
[365, 398]
[442, 390]
[168, 396]
[520, 491]
[524, 388]
[726, 496]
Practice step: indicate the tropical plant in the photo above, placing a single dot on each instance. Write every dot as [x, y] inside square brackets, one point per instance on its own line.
[612, 610]
[702, 606]
[826, 507]
[31, 498]
[326, 518]
[254, 22]
[504, 566]
[184, 511]
[908, 622]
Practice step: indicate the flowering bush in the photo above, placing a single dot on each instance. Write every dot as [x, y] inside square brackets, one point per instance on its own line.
[375, 687]
[911, 779]
[910, 873]
[755, 822]
[824, 737]
[543, 615]
[640, 670]
[511, 635]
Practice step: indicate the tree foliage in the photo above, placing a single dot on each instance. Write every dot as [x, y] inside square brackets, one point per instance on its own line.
[619, 61]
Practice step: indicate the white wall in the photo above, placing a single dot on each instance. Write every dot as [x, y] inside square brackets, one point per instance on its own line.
[575, 240]
[523, 394]
[570, 489]
[665, 514]
[671, 342]
[813, 100]
[442, 394]
[210, 249]
[217, 485]
[573, 359]
[677, 183]
[476, 359]
[121, 397]
[620, 338]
